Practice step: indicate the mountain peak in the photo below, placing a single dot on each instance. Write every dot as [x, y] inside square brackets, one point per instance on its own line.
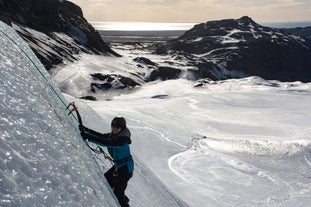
[221, 27]
[246, 19]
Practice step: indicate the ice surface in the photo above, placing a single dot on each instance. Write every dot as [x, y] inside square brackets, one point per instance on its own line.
[43, 161]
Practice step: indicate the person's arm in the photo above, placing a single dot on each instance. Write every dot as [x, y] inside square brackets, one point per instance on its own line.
[105, 141]
[113, 142]
[92, 133]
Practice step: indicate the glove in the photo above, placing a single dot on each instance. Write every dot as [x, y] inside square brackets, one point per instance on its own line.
[83, 135]
[81, 128]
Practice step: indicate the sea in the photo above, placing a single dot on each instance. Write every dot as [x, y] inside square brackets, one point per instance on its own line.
[115, 32]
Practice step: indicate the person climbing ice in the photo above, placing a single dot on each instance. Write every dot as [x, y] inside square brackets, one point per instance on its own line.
[117, 142]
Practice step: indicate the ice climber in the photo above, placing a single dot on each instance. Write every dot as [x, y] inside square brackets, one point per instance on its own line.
[117, 143]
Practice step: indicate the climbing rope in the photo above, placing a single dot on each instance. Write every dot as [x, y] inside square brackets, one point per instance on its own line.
[38, 69]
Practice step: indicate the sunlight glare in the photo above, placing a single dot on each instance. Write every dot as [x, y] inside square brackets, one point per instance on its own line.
[141, 26]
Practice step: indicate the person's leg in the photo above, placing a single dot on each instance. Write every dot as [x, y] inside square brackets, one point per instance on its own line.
[121, 184]
[119, 189]
[110, 176]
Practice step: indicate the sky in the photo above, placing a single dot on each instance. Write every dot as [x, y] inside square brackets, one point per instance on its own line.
[195, 11]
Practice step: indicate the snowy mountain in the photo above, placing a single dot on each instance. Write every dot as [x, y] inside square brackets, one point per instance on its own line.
[215, 50]
[241, 48]
[55, 30]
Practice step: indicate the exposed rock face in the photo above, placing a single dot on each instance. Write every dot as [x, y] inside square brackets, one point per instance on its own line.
[240, 48]
[165, 73]
[304, 32]
[106, 82]
[145, 61]
[55, 29]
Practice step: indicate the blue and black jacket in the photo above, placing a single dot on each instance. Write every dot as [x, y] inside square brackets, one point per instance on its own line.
[117, 145]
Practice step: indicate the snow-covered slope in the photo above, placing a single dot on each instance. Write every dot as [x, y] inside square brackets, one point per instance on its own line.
[43, 161]
[240, 142]
[234, 143]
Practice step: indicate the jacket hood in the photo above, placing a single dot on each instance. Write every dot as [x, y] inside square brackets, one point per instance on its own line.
[125, 133]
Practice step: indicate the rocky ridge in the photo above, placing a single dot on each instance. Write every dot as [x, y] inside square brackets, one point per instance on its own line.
[55, 29]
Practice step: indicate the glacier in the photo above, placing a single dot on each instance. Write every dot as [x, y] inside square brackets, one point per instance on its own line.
[43, 159]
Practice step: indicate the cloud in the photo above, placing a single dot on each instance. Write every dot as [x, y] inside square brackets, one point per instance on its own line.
[194, 10]
[248, 3]
[262, 3]
[91, 3]
[95, 1]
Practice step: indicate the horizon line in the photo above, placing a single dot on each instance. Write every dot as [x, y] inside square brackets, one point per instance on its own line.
[175, 26]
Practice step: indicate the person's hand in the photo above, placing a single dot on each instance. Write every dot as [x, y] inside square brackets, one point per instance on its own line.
[83, 135]
[81, 128]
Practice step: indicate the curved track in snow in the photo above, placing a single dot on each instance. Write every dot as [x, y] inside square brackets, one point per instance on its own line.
[246, 173]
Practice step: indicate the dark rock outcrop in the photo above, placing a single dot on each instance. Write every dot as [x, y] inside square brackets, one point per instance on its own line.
[304, 32]
[164, 73]
[240, 48]
[111, 81]
[143, 60]
[55, 29]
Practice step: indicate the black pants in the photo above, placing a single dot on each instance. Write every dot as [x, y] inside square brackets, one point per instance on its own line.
[117, 180]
